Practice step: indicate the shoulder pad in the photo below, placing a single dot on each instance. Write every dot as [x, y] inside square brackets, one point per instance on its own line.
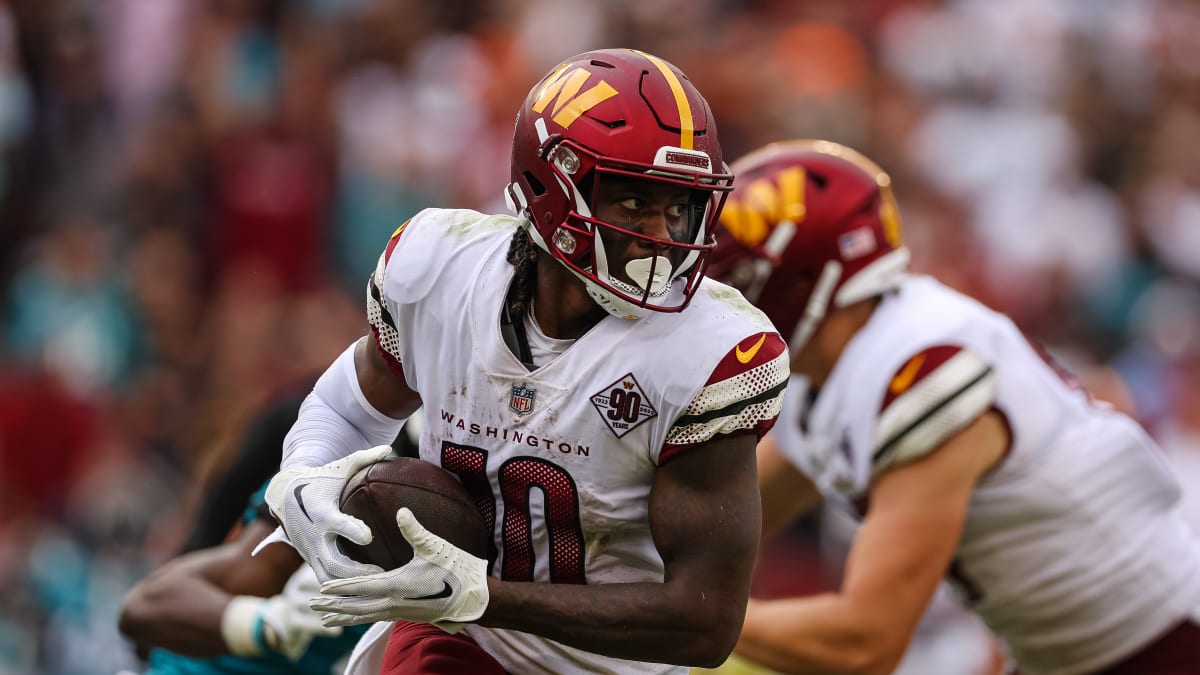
[743, 394]
[937, 392]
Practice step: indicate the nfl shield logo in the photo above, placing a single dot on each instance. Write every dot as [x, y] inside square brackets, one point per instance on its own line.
[522, 399]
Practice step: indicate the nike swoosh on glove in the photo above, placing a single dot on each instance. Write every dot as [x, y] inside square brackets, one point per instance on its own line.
[304, 500]
[442, 584]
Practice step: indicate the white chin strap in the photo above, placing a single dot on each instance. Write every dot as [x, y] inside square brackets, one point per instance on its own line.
[818, 304]
[874, 279]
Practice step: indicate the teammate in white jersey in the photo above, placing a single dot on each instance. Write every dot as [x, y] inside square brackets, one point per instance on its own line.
[964, 452]
[597, 395]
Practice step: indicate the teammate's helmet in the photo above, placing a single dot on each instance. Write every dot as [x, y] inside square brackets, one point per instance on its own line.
[810, 222]
[617, 112]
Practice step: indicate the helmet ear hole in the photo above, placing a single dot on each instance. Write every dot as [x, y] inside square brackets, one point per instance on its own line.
[534, 184]
[870, 207]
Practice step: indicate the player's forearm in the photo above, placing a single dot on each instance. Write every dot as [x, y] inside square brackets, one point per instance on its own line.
[643, 621]
[183, 616]
[816, 635]
[336, 419]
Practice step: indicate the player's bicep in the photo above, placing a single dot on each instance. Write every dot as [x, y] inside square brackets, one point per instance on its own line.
[705, 521]
[935, 394]
[383, 387]
[916, 516]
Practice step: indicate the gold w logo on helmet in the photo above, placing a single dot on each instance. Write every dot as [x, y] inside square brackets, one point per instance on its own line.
[750, 213]
[563, 87]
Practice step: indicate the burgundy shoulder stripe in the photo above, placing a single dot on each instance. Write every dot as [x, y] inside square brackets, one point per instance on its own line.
[748, 354]
[392, 362]
[391, 245]
[916, 369]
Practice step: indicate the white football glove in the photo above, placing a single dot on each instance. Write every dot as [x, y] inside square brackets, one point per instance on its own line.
[442, 584]
[305, 500]
[283, 623]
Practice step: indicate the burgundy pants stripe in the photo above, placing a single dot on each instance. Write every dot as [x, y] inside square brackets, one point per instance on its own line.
[1177, 652]
[414, 648]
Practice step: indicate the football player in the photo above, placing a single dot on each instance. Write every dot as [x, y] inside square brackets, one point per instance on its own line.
[964, 451]
[597, 395]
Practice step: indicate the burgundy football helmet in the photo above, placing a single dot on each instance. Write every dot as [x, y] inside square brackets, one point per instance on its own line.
[617, 112]
[811, 222]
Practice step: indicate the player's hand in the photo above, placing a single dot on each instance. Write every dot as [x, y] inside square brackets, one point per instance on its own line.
[442, 584]
[305, 502]
[289, 623]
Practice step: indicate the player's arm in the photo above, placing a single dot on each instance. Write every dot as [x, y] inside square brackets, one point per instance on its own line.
[705, 521]
[786, 492]
[900, 554]
[347, 422]
[359, 402]
[704, 514]
[937, 435]
[180, 605]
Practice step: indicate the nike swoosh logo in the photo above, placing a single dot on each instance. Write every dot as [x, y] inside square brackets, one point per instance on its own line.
[904, 378]
[444, 593]
[300, 501]
[745, 356]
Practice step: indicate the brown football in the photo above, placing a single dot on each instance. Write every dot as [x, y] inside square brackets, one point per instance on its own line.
[436, 498]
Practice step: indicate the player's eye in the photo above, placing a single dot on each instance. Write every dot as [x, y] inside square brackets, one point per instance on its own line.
[676, 210]
[633, 203]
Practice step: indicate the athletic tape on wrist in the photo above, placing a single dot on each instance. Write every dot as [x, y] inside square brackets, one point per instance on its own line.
[242, 626]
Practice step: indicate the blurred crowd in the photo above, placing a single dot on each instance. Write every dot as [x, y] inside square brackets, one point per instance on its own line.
[192, 193]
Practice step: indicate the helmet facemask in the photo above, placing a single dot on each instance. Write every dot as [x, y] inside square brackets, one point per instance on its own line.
[666, 277]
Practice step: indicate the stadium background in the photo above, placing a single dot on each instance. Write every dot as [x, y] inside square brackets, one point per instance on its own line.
[192, 192]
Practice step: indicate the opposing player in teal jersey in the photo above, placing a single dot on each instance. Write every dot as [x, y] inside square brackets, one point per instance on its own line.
[219, 610]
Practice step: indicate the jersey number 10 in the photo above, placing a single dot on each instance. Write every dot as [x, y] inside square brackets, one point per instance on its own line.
[518, 477]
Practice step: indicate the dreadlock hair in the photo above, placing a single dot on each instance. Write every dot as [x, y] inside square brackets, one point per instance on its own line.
[522, 255]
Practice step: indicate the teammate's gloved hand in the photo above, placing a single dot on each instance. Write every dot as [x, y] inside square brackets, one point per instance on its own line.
[284, 623]
[442, 584]
[305, 502]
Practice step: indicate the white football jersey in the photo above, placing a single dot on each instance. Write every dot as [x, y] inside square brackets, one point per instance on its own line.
[560, 460]
[1073, 550]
